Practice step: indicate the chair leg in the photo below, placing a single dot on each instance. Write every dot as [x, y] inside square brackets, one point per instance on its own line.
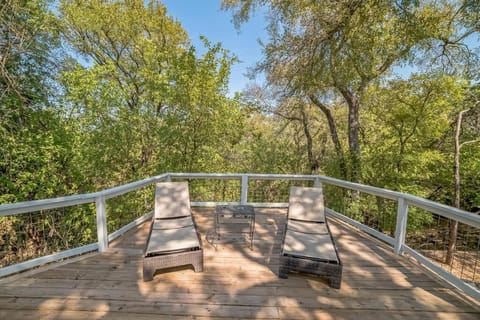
[283, 272]
[198, 267]
[148, 274]
[335, 282]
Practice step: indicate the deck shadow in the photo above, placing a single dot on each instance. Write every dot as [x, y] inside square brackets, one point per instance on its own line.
[236, 283]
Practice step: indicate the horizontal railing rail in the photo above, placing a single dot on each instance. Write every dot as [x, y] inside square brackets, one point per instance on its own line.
[60, 202]
[396, 240]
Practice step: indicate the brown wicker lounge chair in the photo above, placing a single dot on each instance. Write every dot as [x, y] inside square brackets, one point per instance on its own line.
[173, 239]
[307, 244]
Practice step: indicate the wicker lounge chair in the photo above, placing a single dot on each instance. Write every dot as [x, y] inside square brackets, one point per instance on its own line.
[173, 239]
[307, 244]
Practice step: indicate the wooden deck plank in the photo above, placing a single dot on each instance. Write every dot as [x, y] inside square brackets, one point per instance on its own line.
[220, 288]
[345, 314]
[236, 283]
[394, 302]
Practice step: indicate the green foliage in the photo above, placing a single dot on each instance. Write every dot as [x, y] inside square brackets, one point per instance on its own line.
[35, 159]
[28, 40]
[35, 234]
[147, 103]
[330, 51]
[266, 146]
[407, 122]
[126, 208]
[35, 147]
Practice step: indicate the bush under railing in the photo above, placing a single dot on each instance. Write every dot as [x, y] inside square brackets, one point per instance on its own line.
[42, 231]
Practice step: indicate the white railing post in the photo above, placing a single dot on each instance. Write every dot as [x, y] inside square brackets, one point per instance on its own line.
[101, 223]
[401, 227]
[244, 194]
[317, 183]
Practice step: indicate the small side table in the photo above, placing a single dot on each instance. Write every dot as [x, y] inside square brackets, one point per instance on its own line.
[235, 219]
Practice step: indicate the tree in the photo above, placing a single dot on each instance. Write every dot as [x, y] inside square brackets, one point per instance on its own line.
[134, 45]
[332, 50]
[408, 139]
[35, 153]
[145, 101]
[296, 112]
[407, 122]
[475, 110]
[27, 43]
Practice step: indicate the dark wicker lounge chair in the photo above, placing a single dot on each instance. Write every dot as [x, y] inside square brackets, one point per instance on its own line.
[307, 244]
[173, 239]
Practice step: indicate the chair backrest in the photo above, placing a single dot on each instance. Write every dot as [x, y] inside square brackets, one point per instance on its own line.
[306, 204]
[172, 200]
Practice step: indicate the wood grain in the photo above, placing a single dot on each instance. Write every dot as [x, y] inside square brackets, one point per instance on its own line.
[237, 283]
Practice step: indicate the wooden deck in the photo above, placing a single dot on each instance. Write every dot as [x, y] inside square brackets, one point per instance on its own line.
[236, 283]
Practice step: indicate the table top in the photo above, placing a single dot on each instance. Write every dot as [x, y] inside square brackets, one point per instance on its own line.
[235, 210]
[229, 217]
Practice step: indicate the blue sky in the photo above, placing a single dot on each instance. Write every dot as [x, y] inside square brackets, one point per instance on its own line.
[204, 17]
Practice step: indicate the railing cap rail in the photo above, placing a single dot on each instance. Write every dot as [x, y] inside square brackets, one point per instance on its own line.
[429, 205]
[67, 201]
[434, 207]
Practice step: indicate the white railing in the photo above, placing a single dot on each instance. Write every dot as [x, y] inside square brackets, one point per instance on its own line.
[404, 201]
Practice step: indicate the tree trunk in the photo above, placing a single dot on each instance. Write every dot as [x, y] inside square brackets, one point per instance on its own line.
[452, 238]
[353, 133]
[333, 133]
[313, 163]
